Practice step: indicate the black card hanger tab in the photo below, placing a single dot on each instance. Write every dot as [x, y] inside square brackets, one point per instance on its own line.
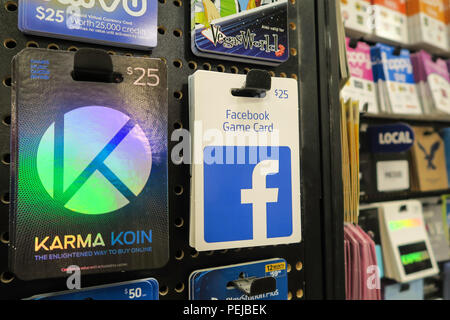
[94, 65]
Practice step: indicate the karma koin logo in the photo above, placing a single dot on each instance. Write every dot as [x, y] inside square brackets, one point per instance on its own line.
[94, 160]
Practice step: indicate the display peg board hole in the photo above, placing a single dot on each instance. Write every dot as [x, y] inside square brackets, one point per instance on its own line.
[289, 295]
[6, 158]
[4, 237]
[5, 198]
[194, 253]
[283, 74]
[288, 268]
[177, 3]
[53, 46]
[163, 290]
[272, 74]
[177, 33]
[178, 190]
[220, 68]
[292, 26]
[234, 69]
[178, 95]
[9, 43]
[6, 277]
[294, 76]
[179, 222]
[207, 66]
[161, 30]
[192, 65]
[299, 293]
[11, 6]
[32, 44]
[293, 52]
[177, 63]
[177, 125]
[299, 266]
[7, 120]
[179, 287]
[7, 82]
[72, 49]
[179, 255]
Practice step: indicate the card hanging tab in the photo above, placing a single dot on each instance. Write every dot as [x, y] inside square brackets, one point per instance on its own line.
[257, 82]
[255, 286]
[94, 65]
[404, 287]
[397, 51]
[353, 43]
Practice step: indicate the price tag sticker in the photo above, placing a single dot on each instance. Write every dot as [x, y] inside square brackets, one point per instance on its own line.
[245, 185]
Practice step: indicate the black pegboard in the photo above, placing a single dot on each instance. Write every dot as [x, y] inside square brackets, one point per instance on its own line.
[174, 48]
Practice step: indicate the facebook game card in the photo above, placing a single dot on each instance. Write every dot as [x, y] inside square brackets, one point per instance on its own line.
[245, 185]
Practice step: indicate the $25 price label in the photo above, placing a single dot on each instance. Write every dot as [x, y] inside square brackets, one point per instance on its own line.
[281, 93]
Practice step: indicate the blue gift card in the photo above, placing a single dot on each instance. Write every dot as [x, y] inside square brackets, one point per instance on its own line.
[145, 289]
[387, 64]
[260, 280]
[124, 23]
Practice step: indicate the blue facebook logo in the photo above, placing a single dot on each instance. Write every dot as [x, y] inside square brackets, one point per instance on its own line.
[247, 193]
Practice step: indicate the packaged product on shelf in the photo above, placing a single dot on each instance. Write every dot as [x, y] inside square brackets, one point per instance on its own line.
[446, 214]
[245, 171]
[389, 144]
[445, 133]
[436, 228]
[259, 280]
[360, 86]
[427, 25]
[362, 274]
[447, 20]
[369, 222]
[389, 22]
[90, 169]
[393, 75]
[254, 31]
[433, 82]
[145, 289]
[428, 169]
[350, 158]
[446, 281]
[407, 252]
[356, 15]
[398, 291]
[131, 24]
